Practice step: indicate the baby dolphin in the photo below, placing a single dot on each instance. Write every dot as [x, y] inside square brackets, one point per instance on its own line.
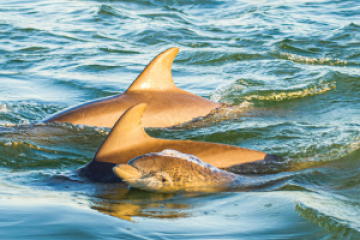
[167, 104]
[173, 171]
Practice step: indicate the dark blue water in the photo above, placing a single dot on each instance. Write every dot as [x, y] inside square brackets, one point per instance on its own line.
[292, 67]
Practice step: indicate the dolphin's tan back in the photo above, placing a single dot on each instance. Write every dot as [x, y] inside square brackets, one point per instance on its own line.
[128, 140]
[167, 104]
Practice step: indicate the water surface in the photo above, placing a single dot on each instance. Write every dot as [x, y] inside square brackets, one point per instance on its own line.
[292, 67]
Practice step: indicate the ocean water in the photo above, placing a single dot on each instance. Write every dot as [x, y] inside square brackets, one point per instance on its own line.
[293, 67]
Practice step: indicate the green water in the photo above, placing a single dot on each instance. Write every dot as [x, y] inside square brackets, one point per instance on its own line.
[292, 67]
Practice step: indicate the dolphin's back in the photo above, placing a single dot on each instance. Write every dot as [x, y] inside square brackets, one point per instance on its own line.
[178, 172]
[182, 167]
[128, 140]
[168, 105]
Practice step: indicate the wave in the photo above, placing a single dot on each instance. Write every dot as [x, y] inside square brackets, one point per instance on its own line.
[96, 68]
[53, 145]
[325, 61]
[309, 156]
[115, 12]
[12, 113]
[287, 95]
[215, 57]
[336, 215]
[241, 90]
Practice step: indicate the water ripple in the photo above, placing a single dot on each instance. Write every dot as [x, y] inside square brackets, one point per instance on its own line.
[289, 70]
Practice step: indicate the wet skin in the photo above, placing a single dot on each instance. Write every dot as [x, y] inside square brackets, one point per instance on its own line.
[172, 171]
[167, 104]
[128, 140]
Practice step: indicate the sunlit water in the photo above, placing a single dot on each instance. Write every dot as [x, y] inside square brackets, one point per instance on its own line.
[291, 66]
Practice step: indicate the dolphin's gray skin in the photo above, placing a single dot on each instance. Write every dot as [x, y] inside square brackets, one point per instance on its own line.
[167, 104]
[128, 140]
[172, 171]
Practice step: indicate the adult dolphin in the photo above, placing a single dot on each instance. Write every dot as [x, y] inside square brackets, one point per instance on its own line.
[128, 140]
[167, 104]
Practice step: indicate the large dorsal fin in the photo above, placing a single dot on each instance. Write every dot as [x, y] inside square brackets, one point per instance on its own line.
[127, 131]
[157, 75]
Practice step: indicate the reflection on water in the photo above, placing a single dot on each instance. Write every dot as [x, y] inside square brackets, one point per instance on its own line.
[221, 216]
[147, 206]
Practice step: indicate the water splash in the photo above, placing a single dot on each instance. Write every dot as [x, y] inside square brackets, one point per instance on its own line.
[280, 96]
[225, 113]
[68, 52]
[241, 91]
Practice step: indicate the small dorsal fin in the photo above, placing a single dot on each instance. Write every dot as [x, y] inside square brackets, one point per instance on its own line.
[127, 131]
[157, 75]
